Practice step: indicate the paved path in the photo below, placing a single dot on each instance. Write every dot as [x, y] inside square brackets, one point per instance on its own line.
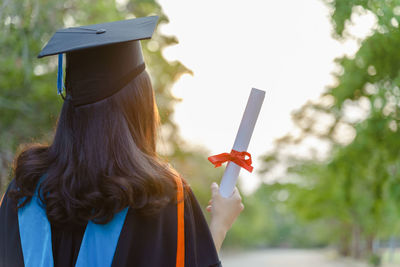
[287, 258]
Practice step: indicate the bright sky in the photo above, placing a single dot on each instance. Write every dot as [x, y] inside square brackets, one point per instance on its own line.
[284, 47]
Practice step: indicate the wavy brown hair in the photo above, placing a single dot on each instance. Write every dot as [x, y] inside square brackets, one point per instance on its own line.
[103, 158]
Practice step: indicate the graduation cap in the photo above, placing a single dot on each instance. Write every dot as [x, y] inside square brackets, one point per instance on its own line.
[101, 58]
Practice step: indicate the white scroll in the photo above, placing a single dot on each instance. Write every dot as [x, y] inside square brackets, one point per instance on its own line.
[242, 140]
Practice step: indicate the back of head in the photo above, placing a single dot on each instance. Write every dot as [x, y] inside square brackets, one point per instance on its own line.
[103, 157]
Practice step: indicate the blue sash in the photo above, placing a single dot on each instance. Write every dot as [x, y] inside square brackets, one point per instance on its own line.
[98, 244]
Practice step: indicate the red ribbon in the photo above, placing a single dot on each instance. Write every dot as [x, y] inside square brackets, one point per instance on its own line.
[235, 156]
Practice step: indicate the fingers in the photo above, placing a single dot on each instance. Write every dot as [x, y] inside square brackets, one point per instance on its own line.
[238, 198]
[209, 205]
[214, 188]
[236, 194]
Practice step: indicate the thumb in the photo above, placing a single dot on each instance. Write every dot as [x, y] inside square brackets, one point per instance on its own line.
[214, 188]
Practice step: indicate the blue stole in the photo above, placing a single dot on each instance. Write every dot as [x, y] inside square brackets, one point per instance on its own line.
[98, 244]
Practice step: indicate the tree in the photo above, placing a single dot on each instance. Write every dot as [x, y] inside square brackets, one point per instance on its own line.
[354, 187]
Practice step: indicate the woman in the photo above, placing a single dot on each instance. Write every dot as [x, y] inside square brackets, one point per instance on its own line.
[99, 195]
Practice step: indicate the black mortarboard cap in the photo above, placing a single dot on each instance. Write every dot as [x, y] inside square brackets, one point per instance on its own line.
[101, 58]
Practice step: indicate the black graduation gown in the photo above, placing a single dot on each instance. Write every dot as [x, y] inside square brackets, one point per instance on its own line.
[144, 241]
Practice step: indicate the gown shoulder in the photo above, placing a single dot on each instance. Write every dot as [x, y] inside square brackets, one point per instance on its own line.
[10, 245]
[149, 241]
[156, 242]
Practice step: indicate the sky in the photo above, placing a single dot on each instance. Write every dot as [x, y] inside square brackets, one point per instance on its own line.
[284, 47]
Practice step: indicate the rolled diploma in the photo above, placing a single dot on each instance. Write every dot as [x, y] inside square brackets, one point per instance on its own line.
[242, 140]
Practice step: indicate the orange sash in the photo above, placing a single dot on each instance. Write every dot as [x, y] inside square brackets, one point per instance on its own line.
[180, 248]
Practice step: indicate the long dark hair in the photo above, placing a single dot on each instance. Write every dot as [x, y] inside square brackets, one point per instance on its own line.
[103, 158]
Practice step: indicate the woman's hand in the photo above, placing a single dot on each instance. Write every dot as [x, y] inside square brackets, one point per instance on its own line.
[224, 212]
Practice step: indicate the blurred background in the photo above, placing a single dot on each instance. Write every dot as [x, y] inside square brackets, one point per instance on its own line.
[326, 186]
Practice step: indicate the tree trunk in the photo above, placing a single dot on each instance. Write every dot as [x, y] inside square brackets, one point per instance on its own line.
[356, 242]
[345, 241]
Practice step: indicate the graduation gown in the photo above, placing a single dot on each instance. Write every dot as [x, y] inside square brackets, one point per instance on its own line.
[148, 241]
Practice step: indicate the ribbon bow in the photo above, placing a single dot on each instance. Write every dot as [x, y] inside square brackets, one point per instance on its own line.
[235, 156]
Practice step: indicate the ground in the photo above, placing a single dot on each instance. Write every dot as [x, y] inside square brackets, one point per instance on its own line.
[288, 258]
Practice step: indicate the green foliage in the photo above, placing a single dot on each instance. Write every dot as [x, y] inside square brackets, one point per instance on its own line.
[375, 260]
[267, 220]
[355, 188]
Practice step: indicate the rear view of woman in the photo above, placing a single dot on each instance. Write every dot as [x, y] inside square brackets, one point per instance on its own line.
[99, 195]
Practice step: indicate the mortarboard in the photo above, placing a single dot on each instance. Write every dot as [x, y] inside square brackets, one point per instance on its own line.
[101, 58]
